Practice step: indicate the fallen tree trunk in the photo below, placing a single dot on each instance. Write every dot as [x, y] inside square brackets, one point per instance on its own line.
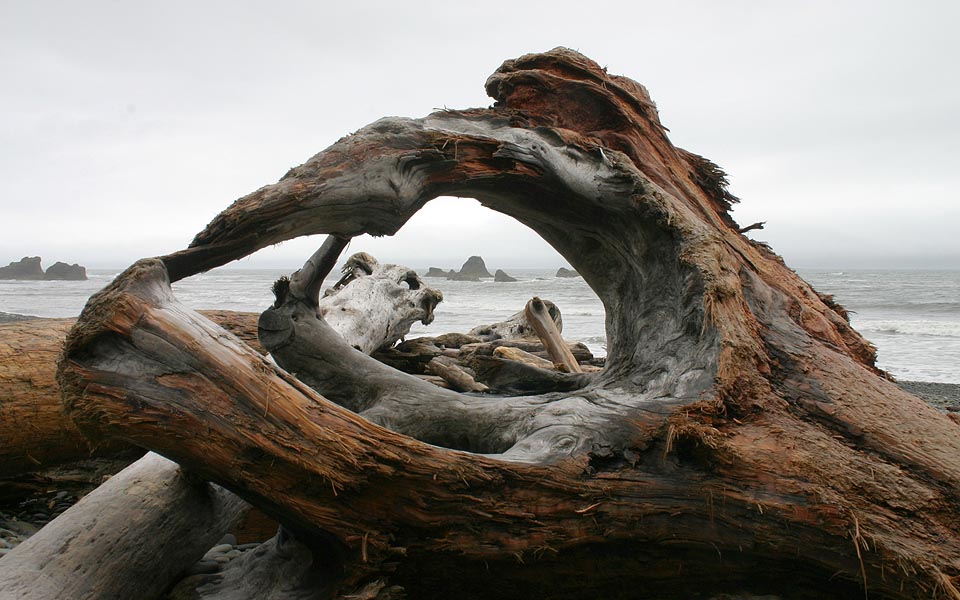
[518, 326]
[34, 431]
[739, 437]
[36, 434]
[76, 568]
[130, 538]
[580, 352]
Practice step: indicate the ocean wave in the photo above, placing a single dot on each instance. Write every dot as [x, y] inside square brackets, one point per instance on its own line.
[933, 308]
[926, 328]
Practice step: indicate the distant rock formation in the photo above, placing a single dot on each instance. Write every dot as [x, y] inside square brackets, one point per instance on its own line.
[28, 268]
[564, 272]
[474, 268]
[65, 272]
[437, 272]
[501, 277]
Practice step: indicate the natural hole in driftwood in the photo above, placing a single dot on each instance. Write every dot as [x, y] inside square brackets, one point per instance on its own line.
[446, 231]
[739, 437]
[659, 351]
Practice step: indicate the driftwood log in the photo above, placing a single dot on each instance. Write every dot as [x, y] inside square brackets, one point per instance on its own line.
[739, 438]
[373, 305]
[517, 326]
[35, 433]
[129, 538]
[136, 534]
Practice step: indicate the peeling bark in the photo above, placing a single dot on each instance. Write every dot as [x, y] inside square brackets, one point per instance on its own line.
[739, 431]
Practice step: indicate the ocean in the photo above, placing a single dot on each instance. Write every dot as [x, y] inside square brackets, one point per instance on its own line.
[913, 317]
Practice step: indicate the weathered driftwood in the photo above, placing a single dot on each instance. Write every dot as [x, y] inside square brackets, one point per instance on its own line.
[412, 356]
[579, 350]
[508, 376]
[91, 570]
[375, 304]
[739, 438]
[523, 356]
[455, 376]
[537, 314]
[35, 433]
[130, 538]
[517, 326]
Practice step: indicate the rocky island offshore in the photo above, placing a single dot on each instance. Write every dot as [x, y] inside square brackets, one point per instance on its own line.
[29, 268]
[472, 270]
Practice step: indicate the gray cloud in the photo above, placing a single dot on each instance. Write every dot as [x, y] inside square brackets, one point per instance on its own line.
[125, 127]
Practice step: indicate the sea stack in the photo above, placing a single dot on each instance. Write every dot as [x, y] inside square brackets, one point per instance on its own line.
[438, 272]
[64, 272]
[564, 272]
[501, 277]
[27, 267]
[474, 268]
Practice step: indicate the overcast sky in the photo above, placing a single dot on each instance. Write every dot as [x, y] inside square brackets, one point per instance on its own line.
[126, 126]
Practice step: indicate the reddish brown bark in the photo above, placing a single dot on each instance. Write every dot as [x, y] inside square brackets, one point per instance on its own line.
[739, 437]
[34, 431]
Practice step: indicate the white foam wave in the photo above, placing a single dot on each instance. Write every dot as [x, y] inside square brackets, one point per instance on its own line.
[946, 329]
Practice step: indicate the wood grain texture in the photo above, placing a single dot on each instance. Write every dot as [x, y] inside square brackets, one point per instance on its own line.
[34, 432]
[739, 431]
[130, 538]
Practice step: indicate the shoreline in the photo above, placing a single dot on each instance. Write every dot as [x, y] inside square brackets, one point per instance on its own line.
[6, 317]
[942, 396]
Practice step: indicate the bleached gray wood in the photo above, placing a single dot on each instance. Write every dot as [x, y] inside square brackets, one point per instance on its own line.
[538, 315]
[130, 538]
[516, 326]
[375, 304]
[454, 375]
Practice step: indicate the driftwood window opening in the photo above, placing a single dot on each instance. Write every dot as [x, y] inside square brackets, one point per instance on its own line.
[739, 438]
[461, 227]
[491, 313]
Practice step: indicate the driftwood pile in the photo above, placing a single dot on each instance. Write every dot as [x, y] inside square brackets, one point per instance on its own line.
[371, 307]
[523, 354]
[738, 437]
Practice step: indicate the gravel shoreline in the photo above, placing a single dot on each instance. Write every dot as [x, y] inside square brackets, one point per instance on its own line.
[13, 318]
[942, 396]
